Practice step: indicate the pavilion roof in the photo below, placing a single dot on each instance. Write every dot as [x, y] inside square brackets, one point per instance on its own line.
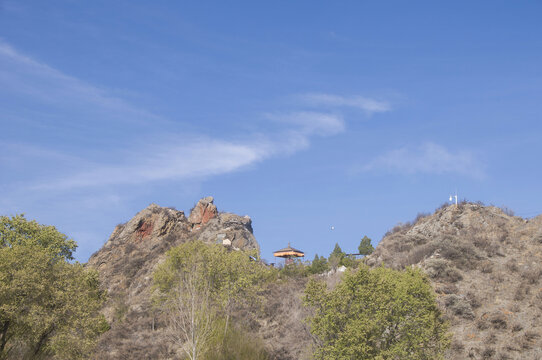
[288, 251]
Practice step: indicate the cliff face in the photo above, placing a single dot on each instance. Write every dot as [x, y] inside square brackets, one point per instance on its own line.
[486, 267]
[127, 260]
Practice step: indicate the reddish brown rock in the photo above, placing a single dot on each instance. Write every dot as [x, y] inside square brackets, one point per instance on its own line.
[204, 211]
[144, 229]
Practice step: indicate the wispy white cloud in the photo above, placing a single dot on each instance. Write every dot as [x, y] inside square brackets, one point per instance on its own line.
[175, 158]
[312, 123]
[370, 106]
[193, 159]
[20, 74]
[429, 158]
[181, 157]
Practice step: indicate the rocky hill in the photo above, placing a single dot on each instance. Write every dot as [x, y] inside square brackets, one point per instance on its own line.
[486, 267]
[127, 260]
[484, 264]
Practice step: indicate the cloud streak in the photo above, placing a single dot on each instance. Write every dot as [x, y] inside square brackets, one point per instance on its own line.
[27, 77]
[70, 100]
[195, 159]
[200, 157]
[429, 158]
[368, 105]
[312, 123]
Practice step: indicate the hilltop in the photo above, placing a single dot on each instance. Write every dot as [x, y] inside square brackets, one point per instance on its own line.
[485, 266]
[127, 260]
[484, 263]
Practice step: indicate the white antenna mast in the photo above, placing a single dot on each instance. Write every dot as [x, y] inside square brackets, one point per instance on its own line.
[454, 196]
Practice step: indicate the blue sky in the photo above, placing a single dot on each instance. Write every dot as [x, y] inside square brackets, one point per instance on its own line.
[303, 115]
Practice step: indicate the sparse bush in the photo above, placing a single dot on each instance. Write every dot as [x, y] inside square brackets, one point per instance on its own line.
[531, 335]
[472, 299]
[507, 210]
[120, 309]
[447, 289]
[532, 275]
[458, 306]
[463, 255]
[529, 339]
[488, 353]
[497, 320]
[420, 216]
[512, 266]
[442, 270]
[399, 228]
[236, 344]
[418, 254]
[457, 346]
[442, 206]
[538, 300]
[486, 267]
[521, 291]
[482, 324]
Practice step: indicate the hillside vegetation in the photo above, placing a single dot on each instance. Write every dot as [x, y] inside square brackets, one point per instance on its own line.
[462, 283]
[486, 267]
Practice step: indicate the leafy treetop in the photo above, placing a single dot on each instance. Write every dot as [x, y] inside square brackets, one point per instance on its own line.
[17, 230]
[377, 314]
[49, 308]
[365, 247]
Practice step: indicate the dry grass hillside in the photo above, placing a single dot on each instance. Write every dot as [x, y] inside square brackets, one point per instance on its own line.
[486, 267]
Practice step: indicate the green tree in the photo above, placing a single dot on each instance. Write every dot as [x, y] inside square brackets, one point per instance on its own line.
[336, 257]
[199, 284]
[319, 265]
[18, 231]
[377, 314]
[365, 247]
[48, 307]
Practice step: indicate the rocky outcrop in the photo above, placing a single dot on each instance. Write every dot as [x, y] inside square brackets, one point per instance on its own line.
[204, 211]
[486, 267]
[127, 260]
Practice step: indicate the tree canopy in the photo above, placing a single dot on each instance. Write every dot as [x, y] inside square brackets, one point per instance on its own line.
[365, 247]
[377, 314]
[199, 285]
[319, 265]
[336, 257]
[18, 231]
[48, 306]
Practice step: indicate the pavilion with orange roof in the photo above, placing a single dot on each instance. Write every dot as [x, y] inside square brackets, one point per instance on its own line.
[288, 253]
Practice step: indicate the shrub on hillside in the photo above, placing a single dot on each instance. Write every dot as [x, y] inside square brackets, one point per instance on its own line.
[442, 270]
[198, 286]
[377, 314]
[319, 265]
[458, 306]
[295, 269]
